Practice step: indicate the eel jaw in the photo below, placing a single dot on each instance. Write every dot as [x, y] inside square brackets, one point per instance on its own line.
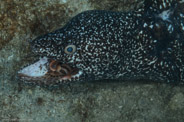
[49, 72]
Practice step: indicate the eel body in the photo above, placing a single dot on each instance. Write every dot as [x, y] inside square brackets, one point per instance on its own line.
[147, 43]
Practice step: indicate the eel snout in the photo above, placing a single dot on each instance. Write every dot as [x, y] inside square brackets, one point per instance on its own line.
[47, 70]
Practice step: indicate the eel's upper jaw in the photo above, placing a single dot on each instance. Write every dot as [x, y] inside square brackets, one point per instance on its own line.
[45, 72]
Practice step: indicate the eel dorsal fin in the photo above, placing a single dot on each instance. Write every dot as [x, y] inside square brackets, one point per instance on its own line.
[153, 7]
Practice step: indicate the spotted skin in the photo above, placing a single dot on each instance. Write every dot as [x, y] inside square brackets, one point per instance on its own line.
[147, 43]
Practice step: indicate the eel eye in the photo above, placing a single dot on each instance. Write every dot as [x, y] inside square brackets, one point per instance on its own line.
[70, 49]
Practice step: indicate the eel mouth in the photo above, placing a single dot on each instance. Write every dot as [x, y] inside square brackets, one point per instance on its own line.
[49, 71]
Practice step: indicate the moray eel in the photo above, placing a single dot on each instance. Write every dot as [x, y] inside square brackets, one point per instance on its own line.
[147, 43]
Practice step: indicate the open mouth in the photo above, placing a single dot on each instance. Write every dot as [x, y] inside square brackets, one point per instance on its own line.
[48, 71]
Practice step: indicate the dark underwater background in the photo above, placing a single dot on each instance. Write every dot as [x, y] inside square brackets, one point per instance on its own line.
[98, 101]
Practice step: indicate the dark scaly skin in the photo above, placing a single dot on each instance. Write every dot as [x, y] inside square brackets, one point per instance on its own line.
[115, 45]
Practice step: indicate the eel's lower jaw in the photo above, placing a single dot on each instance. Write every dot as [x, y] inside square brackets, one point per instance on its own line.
[49, 72]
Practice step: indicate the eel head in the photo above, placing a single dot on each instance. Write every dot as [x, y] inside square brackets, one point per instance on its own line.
[74, 53]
